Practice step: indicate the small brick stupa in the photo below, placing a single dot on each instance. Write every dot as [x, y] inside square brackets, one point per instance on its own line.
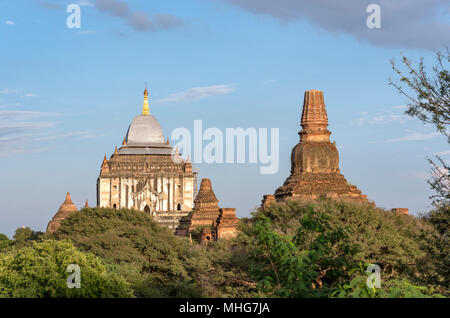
[66, 209]
[216, 222]
[206, 210]
[225, 226]
[206, 206]
[315, 160]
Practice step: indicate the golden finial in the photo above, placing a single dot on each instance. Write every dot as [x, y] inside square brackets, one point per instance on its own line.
[145, 109]
[188, 159]
[124, 142]
[104, 160]
[167, 142]
[86, 205]
[115, 151]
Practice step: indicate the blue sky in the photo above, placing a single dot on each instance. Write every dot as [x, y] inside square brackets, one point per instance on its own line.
[67, 96]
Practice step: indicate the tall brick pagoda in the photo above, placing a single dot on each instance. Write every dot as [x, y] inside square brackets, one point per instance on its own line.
[315, 160]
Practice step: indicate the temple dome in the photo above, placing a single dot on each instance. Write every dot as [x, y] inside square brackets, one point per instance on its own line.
[144, 129]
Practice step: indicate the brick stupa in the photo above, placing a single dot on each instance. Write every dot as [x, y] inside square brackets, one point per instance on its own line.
[225, 226]
[216, 222]
[206, 206]
[66, 209]
[206, 210]
[315, 160]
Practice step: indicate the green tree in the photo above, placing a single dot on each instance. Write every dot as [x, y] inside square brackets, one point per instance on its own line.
[24, 236]
[39, 270]
[429, 101]
[5, 242]
[358, 288]
[155, 261]
[402, 245]
[429, 96]
[309, 264]
[149, 256]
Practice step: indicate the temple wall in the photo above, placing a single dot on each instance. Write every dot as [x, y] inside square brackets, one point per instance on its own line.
[188, 194]
[104, 192]
[119, 191]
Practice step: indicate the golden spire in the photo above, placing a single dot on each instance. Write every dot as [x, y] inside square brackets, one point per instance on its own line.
[145, 109]
[115, 151]
[124, 142]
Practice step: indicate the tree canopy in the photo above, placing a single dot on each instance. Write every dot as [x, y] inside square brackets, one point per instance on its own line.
[40, 270]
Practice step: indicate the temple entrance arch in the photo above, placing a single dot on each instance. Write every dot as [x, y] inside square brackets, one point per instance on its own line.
[147, 210]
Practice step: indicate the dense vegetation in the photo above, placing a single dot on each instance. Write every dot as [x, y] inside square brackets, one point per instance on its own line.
[39, 271]
[294, 249]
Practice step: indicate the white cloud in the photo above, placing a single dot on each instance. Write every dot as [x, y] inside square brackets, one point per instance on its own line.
[85, 3]
[416, 137]
[81, 134]
[419, 175]
[138, 20]
[441, 153]
[196, 93]
[23, 131]
[7, 91]
[10, 22]
[379, 119]
[19, 115]
[405, 23]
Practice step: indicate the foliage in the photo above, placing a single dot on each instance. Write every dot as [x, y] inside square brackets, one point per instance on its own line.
[358, 288]
[154, 261]
[5, 242]
[440, 181]
[143, 250]
[24, 236]
[431, 100]
[399, 244]
[292, 249]
[431, 104]
[437, 267]
[221, 269]
[39, 270]
[318, 255]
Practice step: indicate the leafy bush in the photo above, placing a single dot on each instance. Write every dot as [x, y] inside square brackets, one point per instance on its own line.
[357, 288]
[143, 250]
[156, 262]
[39, 271]
[5, 242]
[338, 235]
[393, 241]
[292, 249]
